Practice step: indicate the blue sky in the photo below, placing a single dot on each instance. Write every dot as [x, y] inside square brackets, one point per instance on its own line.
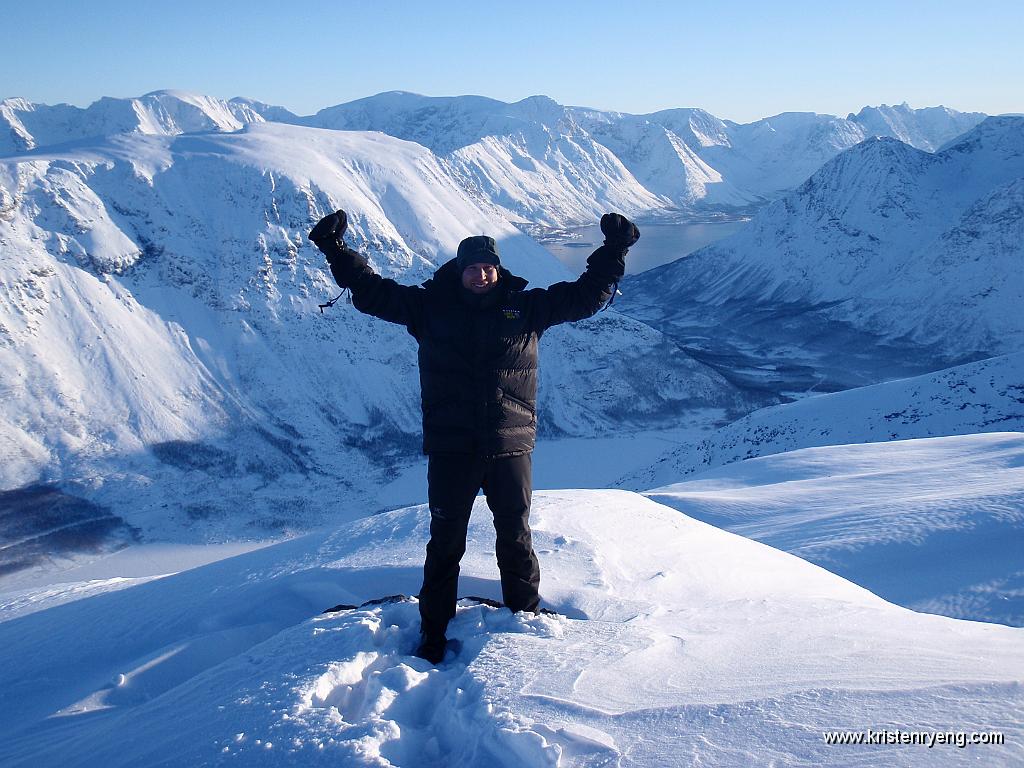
[740, 60]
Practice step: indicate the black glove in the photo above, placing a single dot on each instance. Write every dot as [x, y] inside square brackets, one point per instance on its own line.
[329, 230]
[619, 232]
[346, 264]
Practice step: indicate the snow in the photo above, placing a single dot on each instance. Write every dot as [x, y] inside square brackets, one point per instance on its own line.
[40, 588]
[985, 396]
[888, 261]
[933, 524]
[928, 128]
[170, 112]
[536, 160]
[678, 642]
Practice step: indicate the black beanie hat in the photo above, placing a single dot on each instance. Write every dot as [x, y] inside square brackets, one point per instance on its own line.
[480, 249]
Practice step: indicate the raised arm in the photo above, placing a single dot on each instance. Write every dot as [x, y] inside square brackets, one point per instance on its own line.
[371, 293]
[567, 302]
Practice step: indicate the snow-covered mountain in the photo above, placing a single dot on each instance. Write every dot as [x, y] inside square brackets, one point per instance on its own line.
[679, 644]
[25, 126]
[683, 157]
[929, 128]
[159, 327]
[441, 123]
[539, 161]
[774, 155]
[531, 158]
[252, 111]
[888, 258]
[723, 163]
[985, 396]
[666, 153]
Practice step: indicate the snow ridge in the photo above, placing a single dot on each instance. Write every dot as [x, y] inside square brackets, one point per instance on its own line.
[25, 126]
[928, 128]
[539, 161]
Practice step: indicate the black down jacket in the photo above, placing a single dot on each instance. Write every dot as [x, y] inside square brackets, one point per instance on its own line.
[478, 353]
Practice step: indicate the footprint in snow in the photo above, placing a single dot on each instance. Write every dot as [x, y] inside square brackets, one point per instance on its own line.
[380, 697]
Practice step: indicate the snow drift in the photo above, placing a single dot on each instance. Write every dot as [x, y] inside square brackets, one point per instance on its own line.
[932, 524]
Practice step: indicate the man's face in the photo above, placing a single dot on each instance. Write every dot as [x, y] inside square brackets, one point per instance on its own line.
[479, 278]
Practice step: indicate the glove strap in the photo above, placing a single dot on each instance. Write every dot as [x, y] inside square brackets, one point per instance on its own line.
[615, 292]
[334, 301]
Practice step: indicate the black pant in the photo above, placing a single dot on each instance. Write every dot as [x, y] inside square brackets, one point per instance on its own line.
[452, 483]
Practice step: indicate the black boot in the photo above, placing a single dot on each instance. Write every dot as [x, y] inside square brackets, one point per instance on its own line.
[432, 648]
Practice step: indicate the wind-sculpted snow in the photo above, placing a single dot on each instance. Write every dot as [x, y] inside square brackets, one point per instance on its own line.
[935, 524]
[159, 326]
[678, 644]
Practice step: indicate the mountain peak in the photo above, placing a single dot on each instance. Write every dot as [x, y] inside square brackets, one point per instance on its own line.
[928, 128]
[539, 99]
[17, 102]
[173, 93]
[999, 133]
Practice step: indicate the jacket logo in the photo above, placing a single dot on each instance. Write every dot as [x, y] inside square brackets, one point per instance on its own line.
[512, 314]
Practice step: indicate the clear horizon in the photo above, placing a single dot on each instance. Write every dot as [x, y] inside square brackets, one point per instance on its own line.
[587, 106]
[741, 63]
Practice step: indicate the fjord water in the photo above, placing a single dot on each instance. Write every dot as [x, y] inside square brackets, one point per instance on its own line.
[660, 242]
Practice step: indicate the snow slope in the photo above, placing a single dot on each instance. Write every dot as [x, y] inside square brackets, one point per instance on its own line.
[159, 326]
[986, 396]
[887, 259]
[664, 152]
[681, 644]
[778, 153]
[934, 524]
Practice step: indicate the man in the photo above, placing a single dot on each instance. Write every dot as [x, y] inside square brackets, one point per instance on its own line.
[477, 328]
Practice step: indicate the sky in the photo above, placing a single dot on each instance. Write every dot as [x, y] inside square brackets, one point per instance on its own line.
[741, 60]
